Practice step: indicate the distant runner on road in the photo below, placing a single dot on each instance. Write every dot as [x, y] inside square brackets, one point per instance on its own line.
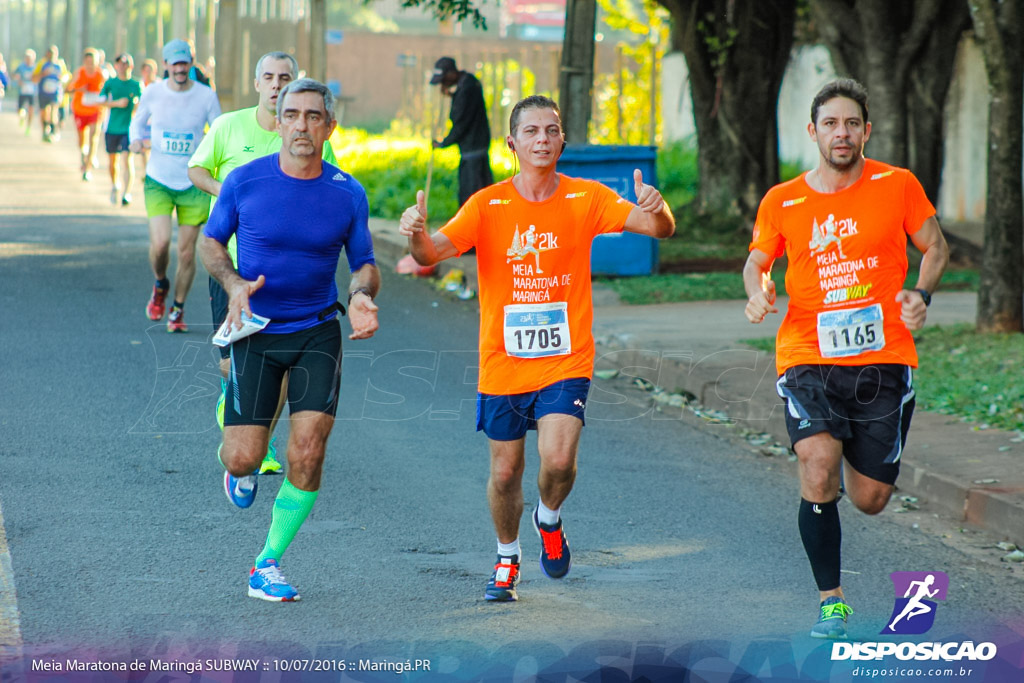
[22, 75]
[121, 95]
[85, 105]
[177, 110]
[49, 76]
[536, 343]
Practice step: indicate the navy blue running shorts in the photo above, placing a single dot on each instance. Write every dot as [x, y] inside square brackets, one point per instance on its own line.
[866, 407]
[312, 359]
[116, 142]
[508, 417]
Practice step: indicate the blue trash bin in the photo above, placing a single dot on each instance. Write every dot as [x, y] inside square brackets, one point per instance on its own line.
[622, 253]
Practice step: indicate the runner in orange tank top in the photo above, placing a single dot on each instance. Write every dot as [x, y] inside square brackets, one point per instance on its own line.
[844, 350]
[532, 235]
[85, 105]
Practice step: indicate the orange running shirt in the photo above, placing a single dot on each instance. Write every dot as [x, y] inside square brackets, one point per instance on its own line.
[847, 255]
[86, 87]
[533, 262]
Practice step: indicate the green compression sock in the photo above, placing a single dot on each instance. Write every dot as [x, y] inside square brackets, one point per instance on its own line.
[291, 507]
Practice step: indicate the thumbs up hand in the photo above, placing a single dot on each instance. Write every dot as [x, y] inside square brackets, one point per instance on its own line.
[414, 219]
[647, 197]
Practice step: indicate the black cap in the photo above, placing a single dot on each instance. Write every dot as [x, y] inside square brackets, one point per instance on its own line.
[441, 67]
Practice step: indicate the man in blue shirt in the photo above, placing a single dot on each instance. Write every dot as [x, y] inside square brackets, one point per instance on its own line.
[291, 214]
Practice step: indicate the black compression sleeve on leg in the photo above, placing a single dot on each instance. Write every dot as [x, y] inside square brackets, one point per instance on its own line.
[822, 536]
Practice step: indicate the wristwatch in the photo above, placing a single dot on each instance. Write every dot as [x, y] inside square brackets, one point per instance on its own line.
[925, 295]
[357, 290]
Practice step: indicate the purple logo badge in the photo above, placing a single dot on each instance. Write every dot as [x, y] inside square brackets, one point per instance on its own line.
[916, 593]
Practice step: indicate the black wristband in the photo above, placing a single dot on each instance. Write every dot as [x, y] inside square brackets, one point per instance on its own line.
[364, 290]
[925, 295]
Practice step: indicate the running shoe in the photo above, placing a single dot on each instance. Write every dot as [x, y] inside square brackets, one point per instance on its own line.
[832, 623]
[502, 586]
[113, 195]
[176, 320]
[126, 199]
[270, 465]
[266, 582]
[555, 558]
[87, 176]
[155, 308]
[240, 490]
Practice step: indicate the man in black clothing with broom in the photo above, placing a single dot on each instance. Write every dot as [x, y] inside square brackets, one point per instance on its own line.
[470, 130]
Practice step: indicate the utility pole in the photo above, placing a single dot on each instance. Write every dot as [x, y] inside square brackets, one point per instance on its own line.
[228, 48]
[139, 48]
[65, 43]
[82, 40]
[159, 31]
[179, 27]
[120, 38]
[576, 78]
[6, 13]
[49, 22]
[317, 40]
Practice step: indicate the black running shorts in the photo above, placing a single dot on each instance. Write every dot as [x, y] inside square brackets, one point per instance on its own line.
[312, 358]
[219, 311]
[867, 407]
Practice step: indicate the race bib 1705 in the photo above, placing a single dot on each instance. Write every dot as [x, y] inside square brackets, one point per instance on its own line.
[537, 330]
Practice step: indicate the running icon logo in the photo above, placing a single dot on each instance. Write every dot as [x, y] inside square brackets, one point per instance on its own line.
[914, 612]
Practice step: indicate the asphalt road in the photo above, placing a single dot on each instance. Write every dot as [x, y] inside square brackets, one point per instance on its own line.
[123, 545]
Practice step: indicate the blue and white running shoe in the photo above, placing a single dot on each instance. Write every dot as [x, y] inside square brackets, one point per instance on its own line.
[832, 622]
[555, 558]
[240, 490]
[266, 582]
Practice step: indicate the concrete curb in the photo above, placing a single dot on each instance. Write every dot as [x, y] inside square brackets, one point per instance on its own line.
[740, 381]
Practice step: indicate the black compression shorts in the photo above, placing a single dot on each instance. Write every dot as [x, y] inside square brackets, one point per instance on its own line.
[312, 359]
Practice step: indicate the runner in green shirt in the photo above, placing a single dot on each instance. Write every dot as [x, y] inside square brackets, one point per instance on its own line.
[236, 138]
[120, 95]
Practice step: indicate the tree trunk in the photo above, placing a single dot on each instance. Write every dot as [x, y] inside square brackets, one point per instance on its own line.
[576, 78]
[926, 96]
[1001, 293]
[65, 45]
[736, 52]
[904, 53]
[120, 36]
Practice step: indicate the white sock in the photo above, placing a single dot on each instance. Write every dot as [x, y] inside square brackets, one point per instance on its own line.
[509, 549]
[545, 515]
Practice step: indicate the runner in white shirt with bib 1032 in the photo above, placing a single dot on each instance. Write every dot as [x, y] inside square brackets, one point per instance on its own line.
[177, 110]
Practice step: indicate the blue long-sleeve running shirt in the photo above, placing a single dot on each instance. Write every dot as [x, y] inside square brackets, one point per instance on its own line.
[292, 231]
